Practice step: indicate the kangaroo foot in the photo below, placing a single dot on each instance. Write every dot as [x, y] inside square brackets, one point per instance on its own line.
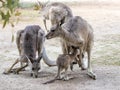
[6, 72]
[91, 75]
[66, 78]
[15, 69]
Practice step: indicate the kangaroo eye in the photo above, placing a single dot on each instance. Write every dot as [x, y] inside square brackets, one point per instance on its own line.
[33, 68]
[38, 68]
[52, 30]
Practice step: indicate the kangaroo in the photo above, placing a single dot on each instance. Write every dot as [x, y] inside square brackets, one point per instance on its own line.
[78, 33]
[27, 43]
[56, 12]
[63, 62]
[30, 41]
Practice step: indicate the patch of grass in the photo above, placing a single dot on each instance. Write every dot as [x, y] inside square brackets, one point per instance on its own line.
[108, 52]
[26, 5]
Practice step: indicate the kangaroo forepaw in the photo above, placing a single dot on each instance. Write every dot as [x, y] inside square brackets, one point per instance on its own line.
[82, 68]
[31, 74]
[71, 67]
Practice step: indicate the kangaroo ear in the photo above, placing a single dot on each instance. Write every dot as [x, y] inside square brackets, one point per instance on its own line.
[30, 59]
[57, 26]
[39, 58]
[65, 27]
[64, 12]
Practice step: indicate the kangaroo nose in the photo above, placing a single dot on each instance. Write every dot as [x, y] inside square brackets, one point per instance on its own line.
[47, 37]
[36, 76]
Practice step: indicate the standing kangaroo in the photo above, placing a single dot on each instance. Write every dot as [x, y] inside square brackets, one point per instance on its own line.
[78, 33]
[29, 41]
[57, 13]
[63, 62]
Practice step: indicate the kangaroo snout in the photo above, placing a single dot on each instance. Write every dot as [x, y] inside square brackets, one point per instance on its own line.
[34, 74]
[47, 36]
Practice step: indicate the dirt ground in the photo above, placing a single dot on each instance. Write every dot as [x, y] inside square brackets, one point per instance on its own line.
[105, 21]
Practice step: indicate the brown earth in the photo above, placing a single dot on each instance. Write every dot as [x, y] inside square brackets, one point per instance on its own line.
[105, 56]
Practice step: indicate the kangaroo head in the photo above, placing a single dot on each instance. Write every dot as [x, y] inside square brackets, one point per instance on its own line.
[57, 13]
[54, 32]
[34, 66]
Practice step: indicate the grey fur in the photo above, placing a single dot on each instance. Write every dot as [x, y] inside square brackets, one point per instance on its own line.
[29, 41]
[56, 12]
[78, 33]
[63, 62]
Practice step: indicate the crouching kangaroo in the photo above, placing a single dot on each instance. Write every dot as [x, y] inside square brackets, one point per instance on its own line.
[29, 41]
[63, 62]
[28, 45]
